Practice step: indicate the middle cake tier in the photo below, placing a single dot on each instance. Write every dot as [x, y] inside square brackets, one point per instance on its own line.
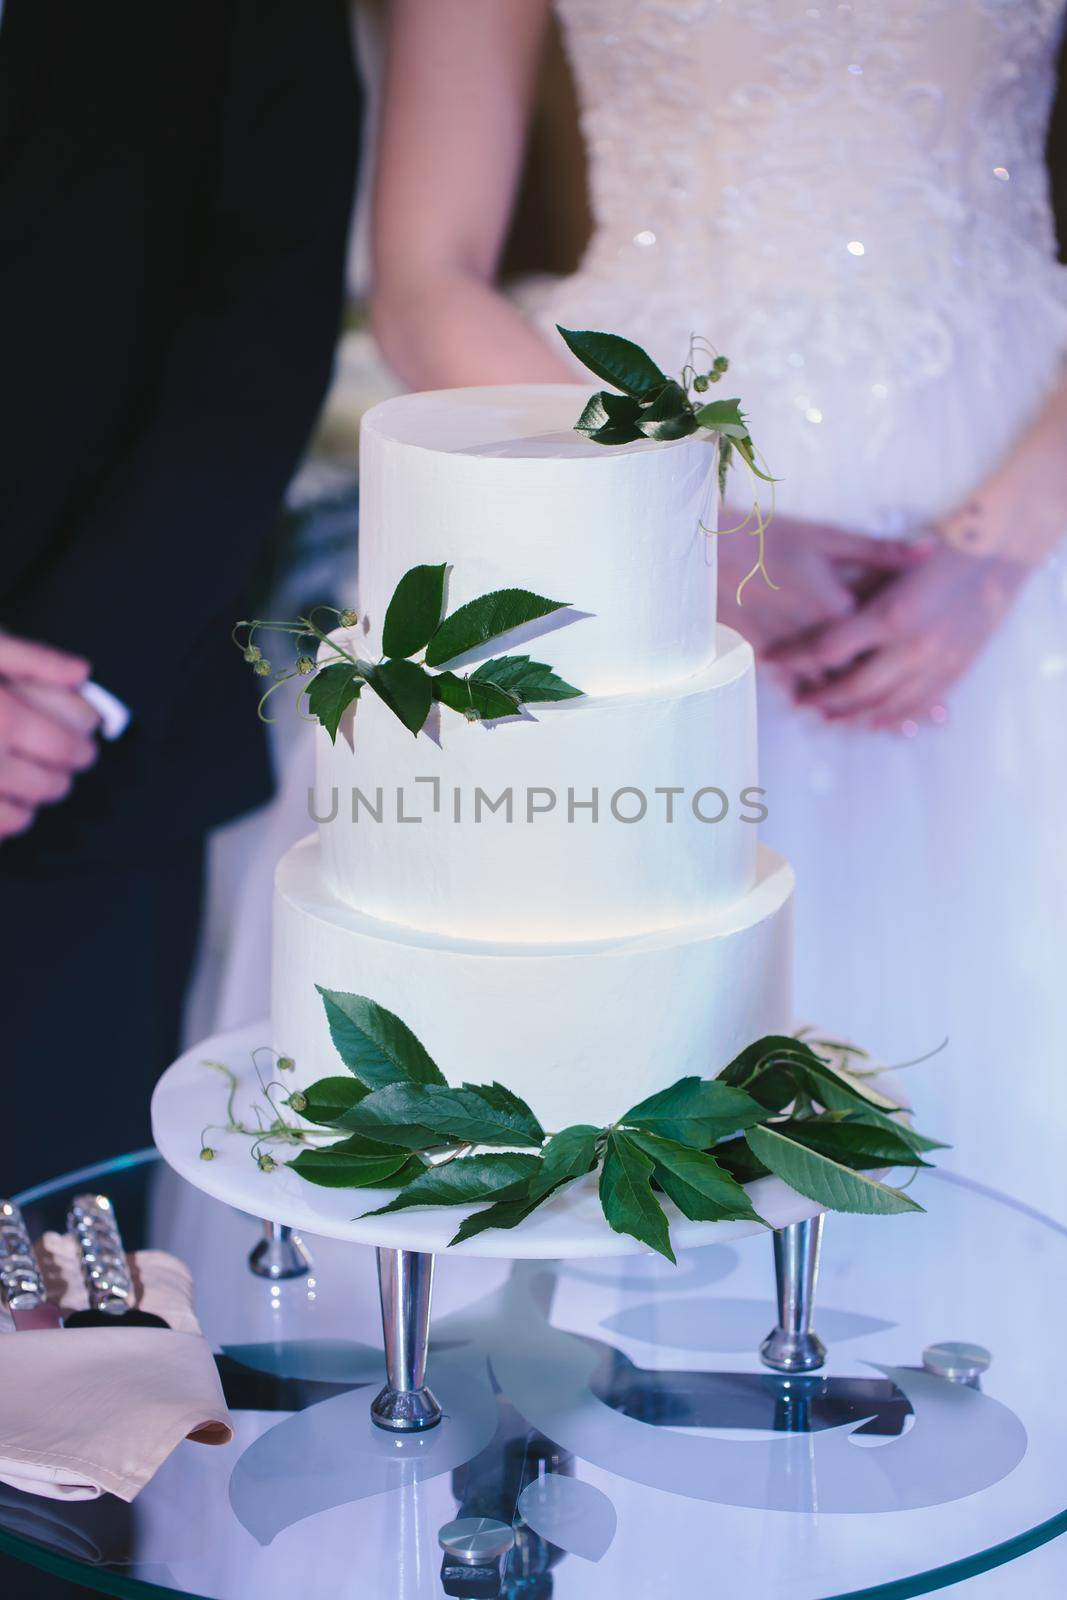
[582, 1030]
[590, 818]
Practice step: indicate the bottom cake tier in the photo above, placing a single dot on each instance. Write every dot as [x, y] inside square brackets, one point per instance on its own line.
[581, 1031]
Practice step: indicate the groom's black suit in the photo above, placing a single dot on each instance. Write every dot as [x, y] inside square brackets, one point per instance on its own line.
[175, 185]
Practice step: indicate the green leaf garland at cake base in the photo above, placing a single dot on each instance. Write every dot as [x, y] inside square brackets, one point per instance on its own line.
[782, 1107]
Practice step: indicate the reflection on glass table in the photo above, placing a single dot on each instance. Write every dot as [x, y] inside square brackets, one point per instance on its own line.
[613, 1414]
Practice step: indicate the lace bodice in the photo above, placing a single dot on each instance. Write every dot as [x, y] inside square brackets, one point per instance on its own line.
[850, 199]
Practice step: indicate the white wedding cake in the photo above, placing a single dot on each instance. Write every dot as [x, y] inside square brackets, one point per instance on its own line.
[571, 901]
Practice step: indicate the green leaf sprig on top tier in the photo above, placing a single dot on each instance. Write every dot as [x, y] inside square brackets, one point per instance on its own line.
[796, 1108]
[416, 636]
[652, 405]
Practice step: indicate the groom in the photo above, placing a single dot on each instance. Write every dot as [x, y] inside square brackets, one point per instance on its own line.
[175, 185]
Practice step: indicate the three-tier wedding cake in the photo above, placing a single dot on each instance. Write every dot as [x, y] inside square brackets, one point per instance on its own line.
[571, 900]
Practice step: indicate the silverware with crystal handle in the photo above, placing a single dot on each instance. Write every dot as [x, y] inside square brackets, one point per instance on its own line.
[22, 1288]
[91, 1220]
[108, 1284]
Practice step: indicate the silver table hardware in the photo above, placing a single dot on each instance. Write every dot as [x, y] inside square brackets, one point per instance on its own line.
[959, 1363]
[405, 1281]
[21, 1284]
[475, 1541]
[103, 1256]
[280, 1254]
[793, 1346]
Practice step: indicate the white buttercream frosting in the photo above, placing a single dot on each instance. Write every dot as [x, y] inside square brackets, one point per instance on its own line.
[600, 816]
[496, 483]
[581, 1029]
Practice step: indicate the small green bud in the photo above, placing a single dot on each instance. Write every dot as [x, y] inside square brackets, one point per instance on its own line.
[721, 364]
[713, 377]
[471, 715]
[206, 1153]
[286, 1063]
[298, 1101]
[700, 382]
[266, 1162]
[253, 653]
[262, 668]
[348, 618]
[304, 665]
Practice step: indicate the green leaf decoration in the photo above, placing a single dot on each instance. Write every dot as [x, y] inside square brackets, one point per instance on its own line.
[374, 1044]
[696, 1112]
[670, 416]
[531, 682]
[762, 1057]
[626, 1195]
[721, 415]
[735, 1157]
[330, 693]
[330, 1098]
[824, 1180]
[746, 448]
[503, 1214]
[481, 620]
[509, 1105]
[618, 361]
[915, 1141]
[699, 1187]
[421, 1116]
[607, 409]
[340, 1166]
[571, 1153]
[773, 1070]
[415, 610]
[473, 698]
[617, 433]
[856, 1144]
[463, 1181]
[406, 689]
[833, 1080]
[398, 1113]
[726, 455]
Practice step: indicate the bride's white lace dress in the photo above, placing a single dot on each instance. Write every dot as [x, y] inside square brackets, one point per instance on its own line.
[851, 201]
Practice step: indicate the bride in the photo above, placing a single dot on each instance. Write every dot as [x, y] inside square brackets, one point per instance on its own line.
[850, 200]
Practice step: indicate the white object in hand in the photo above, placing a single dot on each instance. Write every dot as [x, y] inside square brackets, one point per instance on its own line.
[113, 713]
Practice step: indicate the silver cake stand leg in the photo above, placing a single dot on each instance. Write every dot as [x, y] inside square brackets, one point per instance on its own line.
[793, 1346]
[280, 1254]
[405, 1405]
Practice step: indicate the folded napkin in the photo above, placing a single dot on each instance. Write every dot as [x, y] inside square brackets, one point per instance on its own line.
[92, 1410]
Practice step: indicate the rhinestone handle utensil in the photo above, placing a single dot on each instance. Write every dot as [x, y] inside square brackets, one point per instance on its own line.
[91, 1221]
[108, 1284]
[22, 1288]
[21, 1284]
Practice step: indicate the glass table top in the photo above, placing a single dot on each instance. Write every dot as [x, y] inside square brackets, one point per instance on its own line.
[614, 1412]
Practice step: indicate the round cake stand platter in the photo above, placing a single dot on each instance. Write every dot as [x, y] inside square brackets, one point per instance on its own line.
[189, 1109]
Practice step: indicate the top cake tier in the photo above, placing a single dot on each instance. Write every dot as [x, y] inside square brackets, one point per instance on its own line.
[496, 482]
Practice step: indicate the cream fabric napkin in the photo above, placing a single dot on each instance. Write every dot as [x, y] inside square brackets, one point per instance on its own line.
[92, 1410]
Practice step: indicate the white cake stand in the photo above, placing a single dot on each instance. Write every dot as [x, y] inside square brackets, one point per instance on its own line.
[191, 1097]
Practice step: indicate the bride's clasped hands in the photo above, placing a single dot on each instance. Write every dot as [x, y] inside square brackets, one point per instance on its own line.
[891, 662]
[866, 632]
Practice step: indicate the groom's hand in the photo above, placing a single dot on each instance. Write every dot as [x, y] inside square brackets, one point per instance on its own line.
[46, 729]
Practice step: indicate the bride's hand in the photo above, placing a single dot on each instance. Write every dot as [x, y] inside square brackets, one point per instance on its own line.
[892, 662]
[821, 572]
